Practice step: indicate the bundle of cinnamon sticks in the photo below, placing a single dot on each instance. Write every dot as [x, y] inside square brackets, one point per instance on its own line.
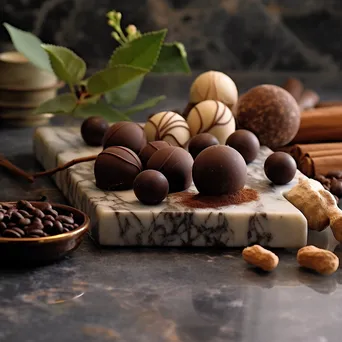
[317, 147]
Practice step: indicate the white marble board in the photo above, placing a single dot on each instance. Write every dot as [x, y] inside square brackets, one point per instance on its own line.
[118, 219]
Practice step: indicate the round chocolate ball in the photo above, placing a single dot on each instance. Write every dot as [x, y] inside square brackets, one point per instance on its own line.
[116, 168]
[246, 143]
[219, 170]
[280, 168]
[271, 113]
[200, 142]
[93, 130]
[151, 187]
[127, 134]
[175, 164]
[151, 147]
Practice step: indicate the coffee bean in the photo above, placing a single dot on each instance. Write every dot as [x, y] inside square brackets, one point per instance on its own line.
[33, 236]
[68, 226]
[16, 216]
[24, 213]
[58, 227]
[38, 232]
[1, 216]
[11, 233]
[48, 226]
[37, 213]
[11, 224]
[65, 230]
[10, 211]
[76, 225]
[320, 178]
[336, 187]
[49, 218]
[6, 218]
[45, 206]
[36, 220]
[24, 222]
[51, 212]
[18, 230]
[2, 227]
[65, 219]
[34, 226]
[4, 211]
[334, 174]
[25, 205]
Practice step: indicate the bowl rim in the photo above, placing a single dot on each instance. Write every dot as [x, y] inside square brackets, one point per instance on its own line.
[59, 237]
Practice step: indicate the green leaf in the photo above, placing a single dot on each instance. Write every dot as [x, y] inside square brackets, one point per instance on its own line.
[141, 52]
[172, 58]
[66, 64]
[30, 46]
[64, 103]
[100, 109]
[145, 105]
[125, 95]
[113, 78]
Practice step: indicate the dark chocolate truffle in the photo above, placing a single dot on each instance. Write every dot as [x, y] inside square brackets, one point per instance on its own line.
[280, 168]
[151, 147]
[271, 113]
[93, 130]
[219, 170]
[175, 164]
[200, 142]
[246, 143]
[151, 187]
[116, 168]
[127, 134]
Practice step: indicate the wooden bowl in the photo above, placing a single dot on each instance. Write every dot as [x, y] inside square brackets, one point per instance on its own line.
[17, 73]
[23, 251]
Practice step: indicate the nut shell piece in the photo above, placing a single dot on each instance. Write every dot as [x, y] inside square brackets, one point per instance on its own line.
[260, 257]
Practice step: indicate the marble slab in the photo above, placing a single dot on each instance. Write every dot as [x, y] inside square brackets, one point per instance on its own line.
[118, 218]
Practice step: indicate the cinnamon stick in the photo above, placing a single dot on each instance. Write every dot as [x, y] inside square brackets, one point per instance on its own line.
[308, 99]
[320, 124]
[295, 87]
[312, 166]
[299, 150]
[64, 166]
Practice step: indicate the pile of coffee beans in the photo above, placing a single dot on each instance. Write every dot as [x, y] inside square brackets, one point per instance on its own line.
[25, 220]
[332, 182]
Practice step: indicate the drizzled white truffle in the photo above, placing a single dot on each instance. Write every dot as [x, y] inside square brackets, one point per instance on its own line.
[168, 126]
[212, 117]
[214, 85]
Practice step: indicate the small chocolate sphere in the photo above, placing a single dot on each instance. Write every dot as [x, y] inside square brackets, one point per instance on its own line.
[116, 168]
[280, 168]
[127, 134]
[219, 170]
[151, 147]
[175, 164]
[151, 187]
[200, 142]
[246, 143]
[93, 130]
[271, 113]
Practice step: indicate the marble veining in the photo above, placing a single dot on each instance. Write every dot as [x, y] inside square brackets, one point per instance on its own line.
[120, 219]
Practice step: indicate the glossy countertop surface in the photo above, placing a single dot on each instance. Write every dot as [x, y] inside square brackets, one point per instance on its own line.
[171, 295]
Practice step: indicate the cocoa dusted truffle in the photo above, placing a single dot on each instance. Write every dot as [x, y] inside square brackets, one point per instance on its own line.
[151, 147]
[116, 168]
[219, 170]
[127, 134]
[200, 142]
[246, 143]
[271, 113]
[151, 187]
[280, 168]
[93, 130]
[175, 164]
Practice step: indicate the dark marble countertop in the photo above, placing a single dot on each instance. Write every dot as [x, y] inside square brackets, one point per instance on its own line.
[171, 295]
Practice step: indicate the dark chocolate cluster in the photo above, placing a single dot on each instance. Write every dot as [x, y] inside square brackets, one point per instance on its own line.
[23, 220]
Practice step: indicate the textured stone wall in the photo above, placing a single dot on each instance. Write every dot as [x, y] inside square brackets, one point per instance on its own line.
[258, 35]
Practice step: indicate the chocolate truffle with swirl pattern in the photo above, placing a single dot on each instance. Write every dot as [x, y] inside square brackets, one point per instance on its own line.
[212, 117]
[168, 126]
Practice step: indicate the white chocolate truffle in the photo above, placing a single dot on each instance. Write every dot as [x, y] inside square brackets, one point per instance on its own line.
[168, 126]
[212, 117]
[214, 85]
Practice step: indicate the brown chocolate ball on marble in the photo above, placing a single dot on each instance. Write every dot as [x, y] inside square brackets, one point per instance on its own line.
[271, 113]
[151, 187]
[116, 168]
[175, 164]
[280, 168]
[127, 134]
[93, 130]
[150, 148]
[246, 143]
[200, 142]
[219, 170]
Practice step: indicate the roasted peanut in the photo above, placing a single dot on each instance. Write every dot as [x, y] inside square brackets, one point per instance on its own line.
[260, 257]
[320, 260]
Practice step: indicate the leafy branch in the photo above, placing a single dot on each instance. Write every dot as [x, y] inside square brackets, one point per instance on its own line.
[118, 84]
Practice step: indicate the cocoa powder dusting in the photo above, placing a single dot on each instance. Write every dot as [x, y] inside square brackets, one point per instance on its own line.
[199, 201]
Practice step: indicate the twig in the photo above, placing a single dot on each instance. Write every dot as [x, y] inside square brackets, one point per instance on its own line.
[14, 169]
[64, 167]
